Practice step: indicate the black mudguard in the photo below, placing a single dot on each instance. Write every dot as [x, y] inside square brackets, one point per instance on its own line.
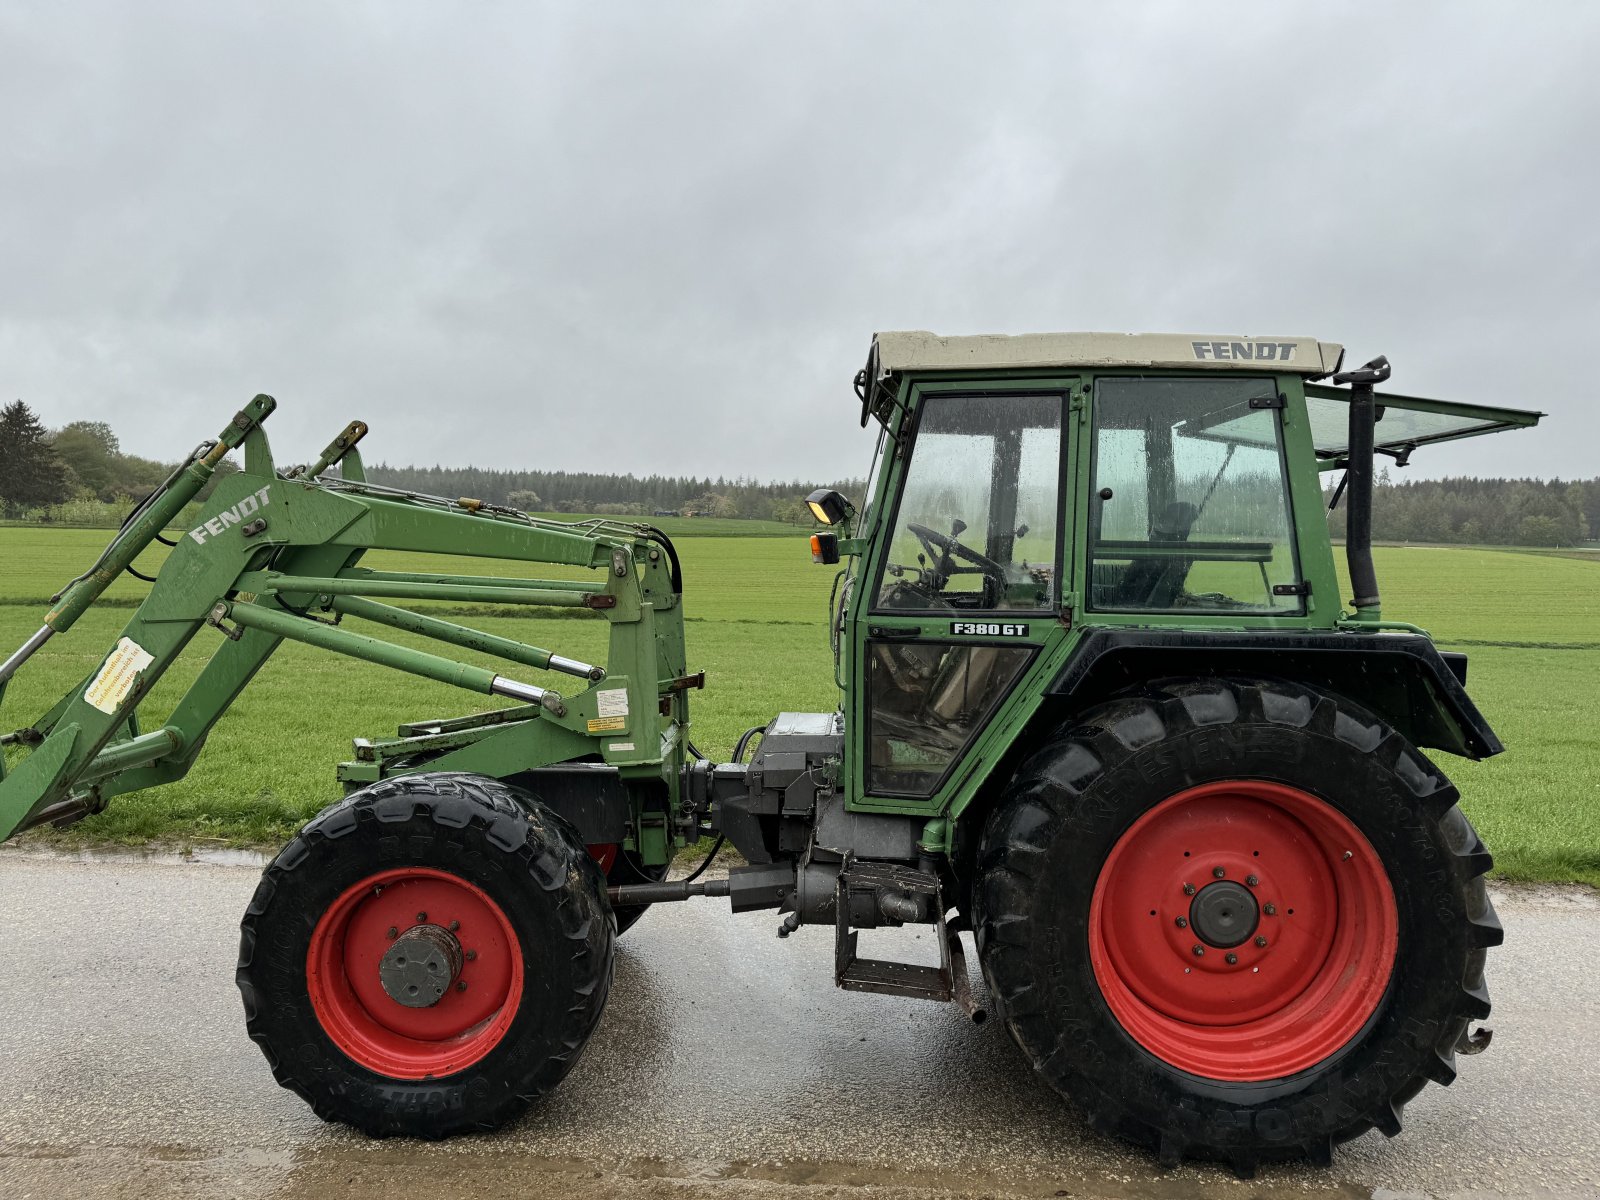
[1402, 678]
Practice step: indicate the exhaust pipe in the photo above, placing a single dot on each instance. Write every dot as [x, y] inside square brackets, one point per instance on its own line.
[1358, 511]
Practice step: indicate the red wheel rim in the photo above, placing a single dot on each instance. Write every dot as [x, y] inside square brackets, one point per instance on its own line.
[1322, 906]
[378, 1032]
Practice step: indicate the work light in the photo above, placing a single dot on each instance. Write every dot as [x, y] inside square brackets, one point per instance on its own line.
[828, 506]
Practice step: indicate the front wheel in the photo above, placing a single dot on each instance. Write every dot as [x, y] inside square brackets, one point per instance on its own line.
[427, 956]
[1235, 920]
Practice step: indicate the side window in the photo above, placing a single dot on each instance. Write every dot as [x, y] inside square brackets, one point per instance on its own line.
[1190, 501]
[977, 524]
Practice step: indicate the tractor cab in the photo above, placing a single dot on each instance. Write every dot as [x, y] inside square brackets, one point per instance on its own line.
[1031, 488]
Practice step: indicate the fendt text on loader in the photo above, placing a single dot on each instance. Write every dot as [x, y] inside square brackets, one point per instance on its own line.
[1101, 708]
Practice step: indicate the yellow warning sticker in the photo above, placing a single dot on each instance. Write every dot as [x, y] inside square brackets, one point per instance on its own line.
[115, 679]
[608, 725]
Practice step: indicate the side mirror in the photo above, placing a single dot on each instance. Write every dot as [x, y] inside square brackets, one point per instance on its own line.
[828, 506]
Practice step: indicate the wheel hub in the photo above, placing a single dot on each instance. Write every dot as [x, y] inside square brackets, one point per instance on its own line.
[1224, 914]
[420, 966]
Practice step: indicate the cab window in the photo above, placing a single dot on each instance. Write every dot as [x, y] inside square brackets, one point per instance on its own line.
[1189, 508]
[976, 527]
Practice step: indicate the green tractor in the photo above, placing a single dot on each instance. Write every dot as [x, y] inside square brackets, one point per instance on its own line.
[1101, 708]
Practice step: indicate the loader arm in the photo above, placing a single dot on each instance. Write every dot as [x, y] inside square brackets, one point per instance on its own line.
[276, 555]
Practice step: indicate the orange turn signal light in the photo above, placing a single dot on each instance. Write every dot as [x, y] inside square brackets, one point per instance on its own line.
[824, 548]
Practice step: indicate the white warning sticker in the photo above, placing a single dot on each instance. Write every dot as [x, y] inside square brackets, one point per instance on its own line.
[112, 683]
[620, 747]
[611, 703]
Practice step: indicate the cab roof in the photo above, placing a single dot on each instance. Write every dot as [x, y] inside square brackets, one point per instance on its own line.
[1403, 422]
[919, 350]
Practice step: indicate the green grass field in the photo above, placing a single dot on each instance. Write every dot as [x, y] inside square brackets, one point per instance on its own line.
[755, 610]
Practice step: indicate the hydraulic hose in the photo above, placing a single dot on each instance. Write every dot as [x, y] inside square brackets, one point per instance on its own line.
[676, 568]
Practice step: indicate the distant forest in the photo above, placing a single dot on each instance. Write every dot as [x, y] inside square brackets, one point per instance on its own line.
[1495, 512]
[614, 495]
[79, 475]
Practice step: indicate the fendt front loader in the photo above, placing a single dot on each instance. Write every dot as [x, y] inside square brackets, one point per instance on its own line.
[1101, 707]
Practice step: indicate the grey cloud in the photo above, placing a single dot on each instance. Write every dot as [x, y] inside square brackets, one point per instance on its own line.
[657, 237]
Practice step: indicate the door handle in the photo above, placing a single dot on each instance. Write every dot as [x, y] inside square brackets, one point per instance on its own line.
[894, 631]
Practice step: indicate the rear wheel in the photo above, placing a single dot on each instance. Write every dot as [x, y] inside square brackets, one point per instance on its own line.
[1235, 920]
[426, 957]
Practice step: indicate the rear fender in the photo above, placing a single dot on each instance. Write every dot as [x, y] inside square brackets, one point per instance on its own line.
[1401, 678]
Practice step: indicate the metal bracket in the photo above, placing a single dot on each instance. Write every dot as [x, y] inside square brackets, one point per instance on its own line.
[217, 619]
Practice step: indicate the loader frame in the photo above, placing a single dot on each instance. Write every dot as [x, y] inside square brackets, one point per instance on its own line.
[279, 558]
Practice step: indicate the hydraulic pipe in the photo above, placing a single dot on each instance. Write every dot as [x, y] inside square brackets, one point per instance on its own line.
[137, 752]
[25, 652]
[460, 635]
[337, 449]
[386, 654]
[362, 586]
[1358, 510]
[507, 581]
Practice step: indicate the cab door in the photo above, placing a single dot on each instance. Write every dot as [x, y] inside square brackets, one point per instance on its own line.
[963, 588]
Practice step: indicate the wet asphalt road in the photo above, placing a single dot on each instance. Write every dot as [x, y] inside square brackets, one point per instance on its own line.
[727, 1065]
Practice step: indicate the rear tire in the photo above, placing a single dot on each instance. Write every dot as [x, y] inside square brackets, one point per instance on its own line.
[517, 909]
[1087, 929]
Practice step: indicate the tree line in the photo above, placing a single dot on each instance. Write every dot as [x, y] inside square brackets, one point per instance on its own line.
[595, 493]
[1472, 511]
[78, 474]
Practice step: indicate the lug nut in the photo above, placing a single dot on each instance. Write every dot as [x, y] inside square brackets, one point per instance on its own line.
[1261, 941]
[422, 917]
[461, 985]
[1188, 889]
[1251, 881]
[1182, 922]
[393, 933]
[1271, 909]
[454, 925]
[1199, 950]
[471, 954]
[1217, 872]
[1232, 959]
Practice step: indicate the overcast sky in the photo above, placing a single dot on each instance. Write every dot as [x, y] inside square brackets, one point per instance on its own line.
[658, 236]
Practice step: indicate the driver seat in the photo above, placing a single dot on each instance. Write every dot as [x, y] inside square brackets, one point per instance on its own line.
[1157, 582]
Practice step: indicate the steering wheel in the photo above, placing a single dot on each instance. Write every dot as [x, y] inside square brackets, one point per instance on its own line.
[943, 547]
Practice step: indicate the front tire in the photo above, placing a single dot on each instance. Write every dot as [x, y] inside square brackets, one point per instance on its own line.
[504, 917]
[1234, 920]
